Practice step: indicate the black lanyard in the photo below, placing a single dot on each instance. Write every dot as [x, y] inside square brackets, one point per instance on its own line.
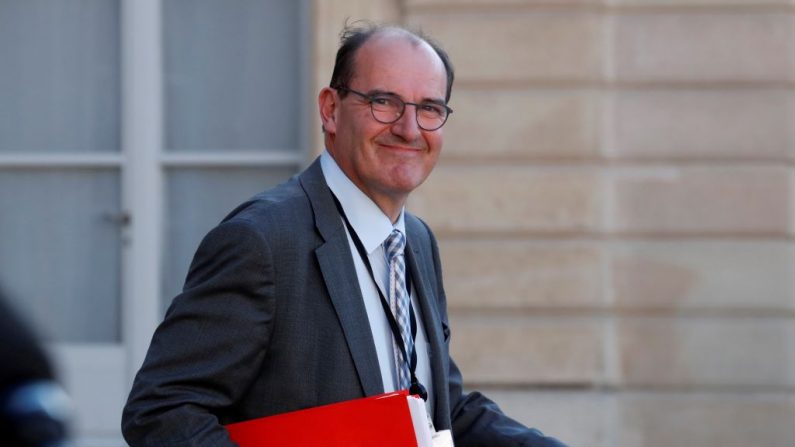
[416, 387]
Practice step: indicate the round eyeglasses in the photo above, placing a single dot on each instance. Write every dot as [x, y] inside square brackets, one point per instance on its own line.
[388, 108]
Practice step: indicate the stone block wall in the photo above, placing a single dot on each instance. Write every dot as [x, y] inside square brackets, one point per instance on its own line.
[614, 207]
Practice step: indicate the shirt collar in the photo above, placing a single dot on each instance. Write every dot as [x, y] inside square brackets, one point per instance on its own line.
[370, 223]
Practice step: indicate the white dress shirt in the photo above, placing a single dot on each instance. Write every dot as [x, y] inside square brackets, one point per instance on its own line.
[373, 227]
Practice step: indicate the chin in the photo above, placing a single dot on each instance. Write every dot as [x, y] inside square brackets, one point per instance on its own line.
[408, 185]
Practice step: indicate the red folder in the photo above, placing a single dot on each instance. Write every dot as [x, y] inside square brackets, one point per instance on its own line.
[383, 420]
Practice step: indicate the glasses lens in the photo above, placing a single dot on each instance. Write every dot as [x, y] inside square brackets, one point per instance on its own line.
[386, 109]
[431, 116]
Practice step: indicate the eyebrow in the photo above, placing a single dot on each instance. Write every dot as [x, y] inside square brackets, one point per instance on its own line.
[373, 92]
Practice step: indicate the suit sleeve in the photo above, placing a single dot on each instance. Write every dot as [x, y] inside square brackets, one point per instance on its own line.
[204, 355]
[476, 420]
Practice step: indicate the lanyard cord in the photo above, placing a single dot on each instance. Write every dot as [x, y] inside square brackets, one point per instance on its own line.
[416, 387]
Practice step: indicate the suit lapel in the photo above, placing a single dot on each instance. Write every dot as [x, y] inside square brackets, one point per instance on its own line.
[339, 275]
[416, 256]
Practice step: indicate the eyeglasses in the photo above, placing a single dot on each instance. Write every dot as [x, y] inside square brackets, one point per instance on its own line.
[387, 109]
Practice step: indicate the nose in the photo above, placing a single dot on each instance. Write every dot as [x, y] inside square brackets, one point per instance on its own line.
[406, 127]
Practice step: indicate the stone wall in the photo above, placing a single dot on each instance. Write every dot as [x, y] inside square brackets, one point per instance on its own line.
[614, 209]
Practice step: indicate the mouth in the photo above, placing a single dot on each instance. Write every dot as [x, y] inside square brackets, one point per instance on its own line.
[401, 147]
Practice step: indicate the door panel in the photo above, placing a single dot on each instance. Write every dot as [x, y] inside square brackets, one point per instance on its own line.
[59, 82]
[60, 251]
[231, 75]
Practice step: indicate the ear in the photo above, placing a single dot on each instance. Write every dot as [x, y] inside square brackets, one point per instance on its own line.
[327, 105]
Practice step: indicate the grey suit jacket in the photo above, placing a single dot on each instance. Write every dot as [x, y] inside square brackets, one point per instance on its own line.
[271, 319]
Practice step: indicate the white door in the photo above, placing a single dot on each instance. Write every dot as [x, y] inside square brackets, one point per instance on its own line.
[127, 129]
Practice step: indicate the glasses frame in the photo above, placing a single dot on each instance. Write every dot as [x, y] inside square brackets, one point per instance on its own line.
[370, 98]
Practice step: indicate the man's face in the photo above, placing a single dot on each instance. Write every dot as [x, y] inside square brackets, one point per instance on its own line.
[387, 161]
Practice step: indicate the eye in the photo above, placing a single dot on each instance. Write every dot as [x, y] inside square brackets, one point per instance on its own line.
[432, 109]
[382, 100]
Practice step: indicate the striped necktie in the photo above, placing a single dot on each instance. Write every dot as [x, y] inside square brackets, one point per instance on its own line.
[399, 303]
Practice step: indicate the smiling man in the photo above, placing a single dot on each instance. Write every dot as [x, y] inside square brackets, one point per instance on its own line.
[385, 150]
[325, 288]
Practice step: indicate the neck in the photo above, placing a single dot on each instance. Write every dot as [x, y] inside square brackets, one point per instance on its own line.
[389, 205]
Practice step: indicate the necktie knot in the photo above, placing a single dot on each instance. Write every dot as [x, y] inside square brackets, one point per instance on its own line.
[394, 244]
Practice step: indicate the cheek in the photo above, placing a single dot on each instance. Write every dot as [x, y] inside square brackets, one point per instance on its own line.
[366, 131]
[434, 141]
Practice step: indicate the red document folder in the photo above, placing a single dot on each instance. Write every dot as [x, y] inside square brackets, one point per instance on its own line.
[383, 420]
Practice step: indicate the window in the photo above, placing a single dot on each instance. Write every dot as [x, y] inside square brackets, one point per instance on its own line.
[128, 128]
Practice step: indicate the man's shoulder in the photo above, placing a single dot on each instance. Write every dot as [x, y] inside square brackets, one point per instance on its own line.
[288, 200]
[420, 235]
[281, 204]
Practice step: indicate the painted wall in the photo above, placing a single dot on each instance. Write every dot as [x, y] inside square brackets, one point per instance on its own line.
[614, 211]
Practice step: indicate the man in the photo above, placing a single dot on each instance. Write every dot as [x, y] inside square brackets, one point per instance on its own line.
[304, 295]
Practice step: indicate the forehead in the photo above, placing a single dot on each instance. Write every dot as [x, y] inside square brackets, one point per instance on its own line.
[400, 64]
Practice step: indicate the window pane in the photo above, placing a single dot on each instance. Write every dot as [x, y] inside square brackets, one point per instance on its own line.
[197, 200]
[59, 81]
[59, 251]
[231, 74]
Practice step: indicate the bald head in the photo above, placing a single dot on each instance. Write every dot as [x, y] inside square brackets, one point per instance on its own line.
[353, 37]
